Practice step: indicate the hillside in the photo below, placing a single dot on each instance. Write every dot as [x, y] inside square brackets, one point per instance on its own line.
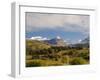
[86, 41]
[34, 44]
[83, 44]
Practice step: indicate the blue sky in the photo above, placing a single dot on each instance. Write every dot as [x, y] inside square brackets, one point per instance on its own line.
[71, 28]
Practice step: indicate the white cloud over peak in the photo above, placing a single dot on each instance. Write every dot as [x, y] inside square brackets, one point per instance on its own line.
[40, 38]
[79, 41]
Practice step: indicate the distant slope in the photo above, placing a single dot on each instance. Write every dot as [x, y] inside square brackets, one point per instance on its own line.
[86, 40]
[56, 42]
[84, 43]
[34, 44]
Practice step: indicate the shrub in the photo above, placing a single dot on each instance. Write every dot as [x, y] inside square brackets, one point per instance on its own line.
[39, 62]
[65, 59]
[78, 61]
[85, 55]
[28, 57]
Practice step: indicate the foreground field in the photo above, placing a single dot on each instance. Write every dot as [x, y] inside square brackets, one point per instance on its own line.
[42, 54]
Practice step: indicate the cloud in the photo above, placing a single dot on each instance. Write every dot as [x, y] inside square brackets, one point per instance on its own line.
[40, 38]
[38, 21]
[80, 40]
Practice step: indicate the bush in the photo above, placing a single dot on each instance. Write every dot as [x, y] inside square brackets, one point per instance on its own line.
[28, 57]
[85, 55]
[39, 62]
[65, 59]
[33, 64]
[77, 61]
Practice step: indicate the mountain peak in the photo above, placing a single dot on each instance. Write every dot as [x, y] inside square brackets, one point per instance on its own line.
[57, 41]
[86, 40]
[58, 37]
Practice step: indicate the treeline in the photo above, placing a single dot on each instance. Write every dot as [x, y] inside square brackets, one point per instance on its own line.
[52, 49]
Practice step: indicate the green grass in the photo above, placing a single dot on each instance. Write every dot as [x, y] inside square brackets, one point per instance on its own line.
[78, 61]
[33, 44]
[39, 62]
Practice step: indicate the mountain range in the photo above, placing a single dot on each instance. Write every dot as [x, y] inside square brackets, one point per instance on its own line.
[58, 41]
[82, 43]
[86, 40]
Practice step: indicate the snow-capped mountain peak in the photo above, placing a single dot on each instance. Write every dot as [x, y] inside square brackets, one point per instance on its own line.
[58, 37]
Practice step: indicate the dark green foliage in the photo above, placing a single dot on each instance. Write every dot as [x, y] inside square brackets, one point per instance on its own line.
[39, 62]
[85, 55]
[77, 61]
